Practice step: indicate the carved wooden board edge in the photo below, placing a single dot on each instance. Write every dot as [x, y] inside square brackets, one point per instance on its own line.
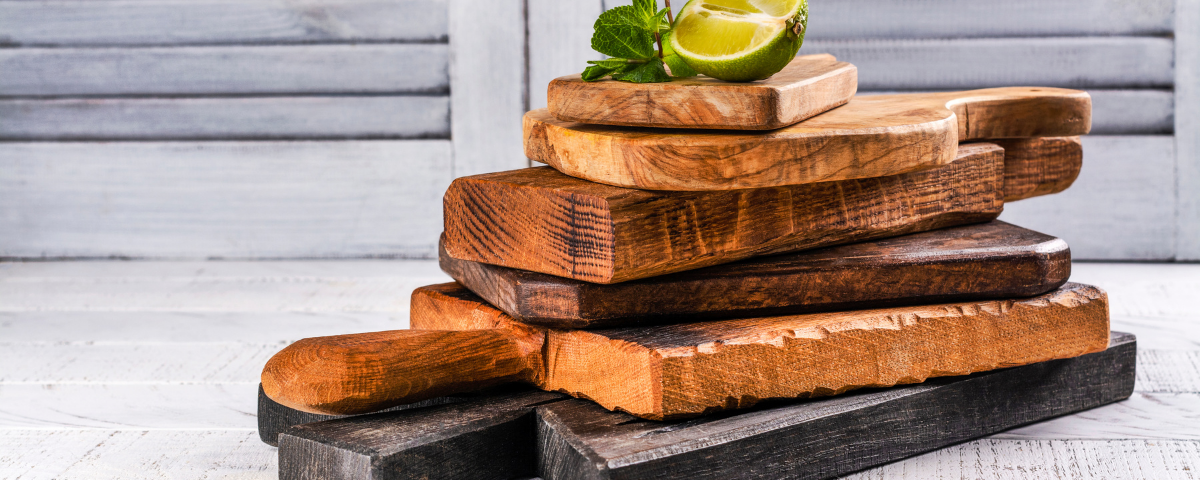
[808, 86]
[957, 263]
[576, 439]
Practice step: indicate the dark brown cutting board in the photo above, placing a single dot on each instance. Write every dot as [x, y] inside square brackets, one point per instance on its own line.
[872, 136]
[809, 85]
[991, 260]
[460, 343]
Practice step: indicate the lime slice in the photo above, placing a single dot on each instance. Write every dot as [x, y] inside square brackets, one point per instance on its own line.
[739, 40]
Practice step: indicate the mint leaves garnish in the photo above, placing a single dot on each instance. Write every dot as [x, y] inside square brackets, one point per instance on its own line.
[633, 35]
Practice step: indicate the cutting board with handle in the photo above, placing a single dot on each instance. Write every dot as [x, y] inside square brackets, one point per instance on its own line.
[540, 220]
[682, 370]
[974, 262]
[871, 136]
[809, 85]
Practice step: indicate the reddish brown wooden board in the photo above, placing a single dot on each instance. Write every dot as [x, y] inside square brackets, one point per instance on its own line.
[540, 220]
[871, 136]
[809, 85]
[680, 370]
[991, 260]
[1039, 166]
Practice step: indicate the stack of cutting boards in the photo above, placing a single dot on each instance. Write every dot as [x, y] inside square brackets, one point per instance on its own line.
[701, 246]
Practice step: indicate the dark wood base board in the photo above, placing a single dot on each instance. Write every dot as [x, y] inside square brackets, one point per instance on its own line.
[523, 433]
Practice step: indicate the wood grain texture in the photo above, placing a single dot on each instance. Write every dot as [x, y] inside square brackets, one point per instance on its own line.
[300, 69]
[127, 406]
[578, 440]
[212, 200]
[487, 438]
[1122, 206]
[1187, 128]
[1034, 167]
[274, 418]
[166, 22]
[303, 118]
[543, 221]
[871, 136]
[808, 86]
[964, 63]
[992, 260]
[683, 370]
[485, 125]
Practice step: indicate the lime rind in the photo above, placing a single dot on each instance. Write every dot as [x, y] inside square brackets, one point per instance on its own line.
[739, 40]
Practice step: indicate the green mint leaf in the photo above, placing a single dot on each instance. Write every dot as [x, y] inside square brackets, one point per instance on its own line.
[649, 72]
[660, 21]
[620, 33]
[645, 8]
[595, 72]
[613, 63]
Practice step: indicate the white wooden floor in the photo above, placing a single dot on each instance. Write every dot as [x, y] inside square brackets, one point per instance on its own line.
[149, 369]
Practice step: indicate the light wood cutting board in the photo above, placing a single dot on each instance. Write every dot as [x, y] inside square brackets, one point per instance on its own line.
[872, 136]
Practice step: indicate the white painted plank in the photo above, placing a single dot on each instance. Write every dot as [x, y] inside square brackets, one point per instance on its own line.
[1088, 62]
[1168, 371]
[560, 42]
[489, 78]
[301, 69]
[222, 199]
[1187, 124]
[852, 19]
[130, 363]
[1144, 415]
[1121, 207]
[108, 328]
[129, 407]
[104, 455]
[191, 287]
[1122, 112]
[1146, 289]
[176, 22]
[226, 118]
[990, 459]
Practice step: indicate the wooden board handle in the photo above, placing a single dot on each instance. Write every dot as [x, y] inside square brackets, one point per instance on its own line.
[367, 372]
[1020, 112]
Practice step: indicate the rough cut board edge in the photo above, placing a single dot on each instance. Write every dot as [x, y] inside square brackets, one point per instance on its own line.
[556, 302]
[809, 86]
[314, 447]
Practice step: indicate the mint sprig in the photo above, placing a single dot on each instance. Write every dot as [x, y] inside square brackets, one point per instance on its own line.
[634, 37]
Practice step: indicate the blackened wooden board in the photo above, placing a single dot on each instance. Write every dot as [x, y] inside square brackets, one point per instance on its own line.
[991, 260]
[811, 439]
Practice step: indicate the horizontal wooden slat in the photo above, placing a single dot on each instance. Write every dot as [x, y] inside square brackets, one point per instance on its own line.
[174, 22]
[1121, 207]
[128, 407]
[226, 118]
[1074, 62]
[122, 363]
[222, 199]
[129, 328]
[302, 69]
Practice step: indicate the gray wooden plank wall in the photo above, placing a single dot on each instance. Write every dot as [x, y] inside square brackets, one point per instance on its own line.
[110, 96]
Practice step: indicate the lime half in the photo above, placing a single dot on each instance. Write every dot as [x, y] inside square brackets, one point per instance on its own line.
[739, 40]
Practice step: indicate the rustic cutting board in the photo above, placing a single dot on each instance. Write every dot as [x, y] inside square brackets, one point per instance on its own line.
[1039, 166]
[872, 136]
[680, 370]
[523, 434]
[809, 85]
[975, 262]
[540, 220]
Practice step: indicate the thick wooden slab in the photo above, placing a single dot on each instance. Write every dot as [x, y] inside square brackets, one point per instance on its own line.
[872, 136]
[991, 260]
[809, 85]
[682, 370]
[543, 221]
[1039, 166]
[578, 439]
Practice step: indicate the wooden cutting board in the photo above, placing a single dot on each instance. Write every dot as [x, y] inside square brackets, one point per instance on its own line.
[543, 221]
[681, 370]
[809, 85]
[528, 433]
[872, 136]
[975, 262]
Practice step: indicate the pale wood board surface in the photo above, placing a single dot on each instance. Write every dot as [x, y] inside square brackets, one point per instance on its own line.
[174, 22]
[1122, 206]
[160, 415]
[301, 118]
[206, 70]
[211, 199]
[1187, 123]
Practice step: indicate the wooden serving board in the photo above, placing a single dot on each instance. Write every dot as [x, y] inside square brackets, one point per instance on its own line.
[681, 370]
[809, 85]
[872, 136]
[526, 434]
[975, 262]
